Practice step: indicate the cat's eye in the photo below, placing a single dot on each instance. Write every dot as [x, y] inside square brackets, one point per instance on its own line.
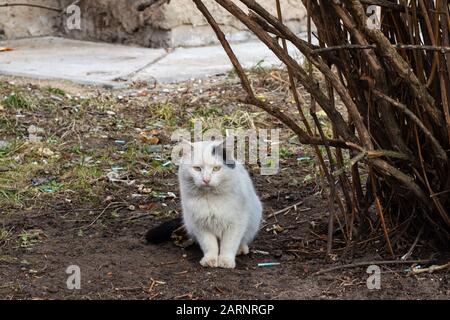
[197, 168]
[217, 168]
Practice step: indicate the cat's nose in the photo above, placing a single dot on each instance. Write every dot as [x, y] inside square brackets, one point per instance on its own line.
[206, 180]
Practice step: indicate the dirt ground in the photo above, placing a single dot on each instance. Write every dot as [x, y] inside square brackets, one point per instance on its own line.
[85, 172]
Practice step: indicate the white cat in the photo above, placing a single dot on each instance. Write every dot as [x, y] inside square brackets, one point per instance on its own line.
[221, 210]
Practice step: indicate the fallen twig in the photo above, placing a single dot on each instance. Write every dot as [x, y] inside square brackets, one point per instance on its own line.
[98, 217]
[129, 289]
[368, 263]
[138, 215]
[430, 269]
[154, 284]
[285, 209]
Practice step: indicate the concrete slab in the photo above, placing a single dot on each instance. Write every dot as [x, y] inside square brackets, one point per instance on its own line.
[79, 61]
[117, 65]
[185, 63]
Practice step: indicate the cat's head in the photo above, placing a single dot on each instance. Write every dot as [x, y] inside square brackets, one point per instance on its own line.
[207, 164]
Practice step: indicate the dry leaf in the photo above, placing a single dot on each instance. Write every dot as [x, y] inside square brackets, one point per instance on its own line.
[148, 137]
[147, 206]
[153, 140]
[46, 152]
[143, 93]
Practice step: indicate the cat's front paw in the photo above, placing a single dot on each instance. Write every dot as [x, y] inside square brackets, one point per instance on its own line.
[227, 262]
[209, 261]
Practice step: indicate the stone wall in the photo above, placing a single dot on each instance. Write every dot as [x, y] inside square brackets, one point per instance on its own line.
[22, 22]
[188, 26]
[177, 23]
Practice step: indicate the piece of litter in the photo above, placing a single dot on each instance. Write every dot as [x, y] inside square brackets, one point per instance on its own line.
[166, 164]
[120, 142]
[304, 158]
[154, 148]
[159, 194]
[268, 264]
[116, 168]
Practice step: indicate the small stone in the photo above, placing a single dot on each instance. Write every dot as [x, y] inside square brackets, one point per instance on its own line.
[34, 129]
[52, 289]
[34, 138]
[4, 144]
[46, 152]
[277, 253]
[56, 98]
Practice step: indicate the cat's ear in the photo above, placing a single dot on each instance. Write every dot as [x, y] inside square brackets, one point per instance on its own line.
[186, 150]
[224, 151]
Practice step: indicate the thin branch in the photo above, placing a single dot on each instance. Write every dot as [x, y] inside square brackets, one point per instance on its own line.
[251, 98]
[385, 4]
[151, 3]
[380, 212]
[5, 5]
[310, 84]
[410, 251]
[373, 46]
[440, 151]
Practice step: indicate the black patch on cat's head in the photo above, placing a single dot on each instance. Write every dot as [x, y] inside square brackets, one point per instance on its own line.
[225, 155]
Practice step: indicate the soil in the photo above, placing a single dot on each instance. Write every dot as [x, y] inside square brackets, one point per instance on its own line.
[101, 229]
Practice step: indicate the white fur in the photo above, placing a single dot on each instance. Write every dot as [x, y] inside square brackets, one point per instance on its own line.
[224, 216]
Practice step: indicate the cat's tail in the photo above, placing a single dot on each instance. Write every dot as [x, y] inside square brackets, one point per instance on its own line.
[163, 232]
